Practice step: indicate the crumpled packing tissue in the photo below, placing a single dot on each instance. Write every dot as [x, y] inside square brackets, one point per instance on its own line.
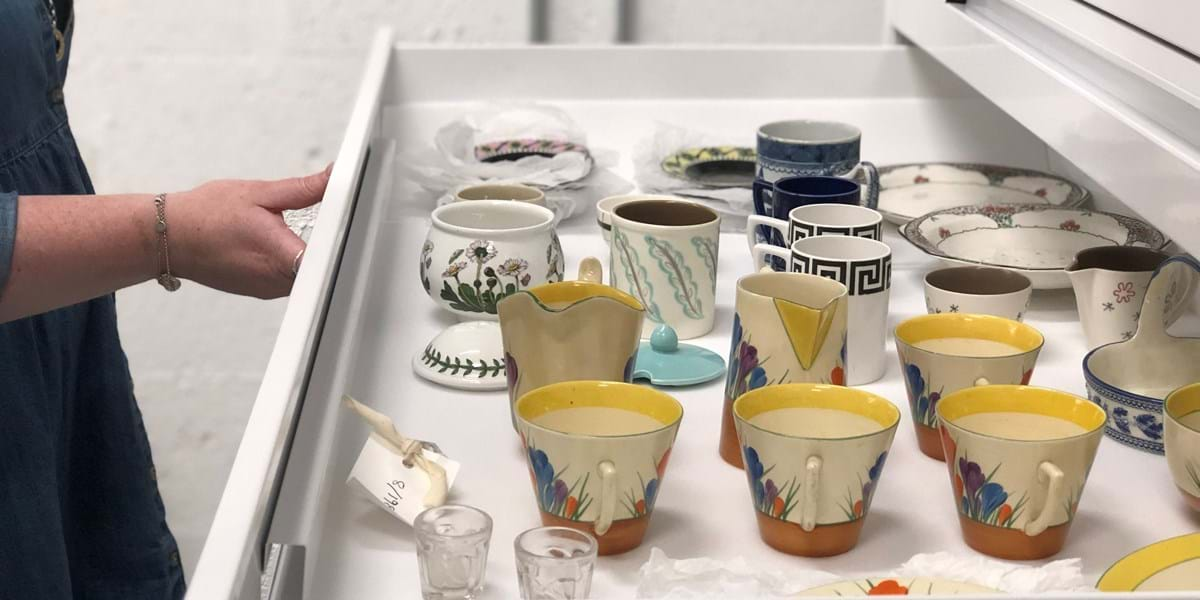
[665, 577]
[733, 204]
[572, 181]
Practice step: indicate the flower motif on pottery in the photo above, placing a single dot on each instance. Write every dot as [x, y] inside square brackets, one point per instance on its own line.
[481, 251]
[1108, 307]
[768, 498]
[1040, 193]
[745, 371]
[510, 371]
[953, 308]
[888, 587]
[920, 179]
[553, 494]
[1120, 418]
[513, 267]
[1151, 427]
[857, 509]
[837, 376]
[1069, 225]
[943, 233]
[924, 405]
[982, 499]
[1026, 376]
[640, 507]
[453, 269]
[1124, 292]
[426, 262]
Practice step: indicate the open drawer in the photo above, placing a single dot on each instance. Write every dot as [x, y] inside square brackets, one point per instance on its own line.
[357, 315]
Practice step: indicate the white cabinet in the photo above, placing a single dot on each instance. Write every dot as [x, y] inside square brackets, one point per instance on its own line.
[973, 91]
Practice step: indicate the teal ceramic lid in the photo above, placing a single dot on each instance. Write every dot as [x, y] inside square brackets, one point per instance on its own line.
[664, 361]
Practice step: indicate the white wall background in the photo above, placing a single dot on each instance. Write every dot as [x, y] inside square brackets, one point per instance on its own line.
[165, 95]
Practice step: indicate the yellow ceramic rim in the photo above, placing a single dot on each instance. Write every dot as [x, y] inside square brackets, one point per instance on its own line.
[606, 394]
[1135, 568]
[1022, 399]
[959, 325]
[1181, 403]
[574, 292]
[816, 395]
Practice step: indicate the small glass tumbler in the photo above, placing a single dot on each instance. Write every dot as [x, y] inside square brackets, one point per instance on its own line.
[452, 547]
[555, 563]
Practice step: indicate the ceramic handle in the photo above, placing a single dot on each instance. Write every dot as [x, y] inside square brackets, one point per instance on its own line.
[608, 496]
[982, 381]
[754, 221]
[763, 195]
[1052, 476]
[590, 270]
[762, 249]
[1181, 303]
[871, 178]
[810, 493]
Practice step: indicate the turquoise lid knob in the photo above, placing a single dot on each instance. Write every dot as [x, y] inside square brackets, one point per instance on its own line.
[664, 339]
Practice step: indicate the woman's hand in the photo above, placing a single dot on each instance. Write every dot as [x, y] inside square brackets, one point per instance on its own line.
[230, 235]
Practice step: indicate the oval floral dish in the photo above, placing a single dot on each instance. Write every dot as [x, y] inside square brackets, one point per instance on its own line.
[1036, 240]
[713, 166]
[911, 190]
[899, 586]
[1169, 565]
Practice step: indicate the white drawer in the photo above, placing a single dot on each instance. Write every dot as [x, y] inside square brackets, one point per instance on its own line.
[357, 314]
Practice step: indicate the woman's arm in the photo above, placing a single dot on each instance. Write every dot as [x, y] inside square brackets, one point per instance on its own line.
[226, 234]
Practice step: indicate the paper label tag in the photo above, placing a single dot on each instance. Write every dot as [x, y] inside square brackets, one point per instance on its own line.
[381, 474]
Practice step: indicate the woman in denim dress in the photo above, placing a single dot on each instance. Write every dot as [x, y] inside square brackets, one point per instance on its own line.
[80, 513]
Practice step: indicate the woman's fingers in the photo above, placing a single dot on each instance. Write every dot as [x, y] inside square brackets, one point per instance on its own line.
[294, 193]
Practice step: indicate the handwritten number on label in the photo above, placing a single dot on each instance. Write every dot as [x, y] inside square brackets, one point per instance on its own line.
[393, 497]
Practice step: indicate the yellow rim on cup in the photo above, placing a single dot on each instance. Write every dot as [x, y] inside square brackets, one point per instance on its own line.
[816, 395]
[600, 394]
[1181, 403]
[960, 325]
[1021, 399]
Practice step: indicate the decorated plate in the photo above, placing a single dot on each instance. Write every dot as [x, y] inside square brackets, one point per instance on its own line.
[713, 166]
[517, 149]
[1036, 240]
[901, 586]
[1170, 565]
[909, 191]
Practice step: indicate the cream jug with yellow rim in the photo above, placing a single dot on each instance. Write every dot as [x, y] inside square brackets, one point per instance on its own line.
[597, 453]
[570, 330]
[1018, 458]
[787, 327]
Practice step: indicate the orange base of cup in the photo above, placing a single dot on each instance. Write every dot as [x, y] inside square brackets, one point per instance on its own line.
[730, 448]
[1193, 501]
[1013, 544]
[930, 442]
[790, 538]
[622, 536]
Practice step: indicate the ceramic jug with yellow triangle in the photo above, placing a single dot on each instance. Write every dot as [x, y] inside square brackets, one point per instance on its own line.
[787, 328]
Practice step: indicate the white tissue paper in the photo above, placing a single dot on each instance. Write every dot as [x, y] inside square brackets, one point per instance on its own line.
[571, 181]
[664, 577]
[733, 204]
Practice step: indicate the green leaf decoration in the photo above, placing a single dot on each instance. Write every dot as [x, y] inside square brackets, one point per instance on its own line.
[636, 276]
[455, 365]
[454, 256]
[678, 274]
[707, 249]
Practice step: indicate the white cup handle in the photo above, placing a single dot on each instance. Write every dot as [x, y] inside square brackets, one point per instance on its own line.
[982, 381]
[1052, 476]
[759, 250]
[608, 496]
[752, 223]
[810, 493]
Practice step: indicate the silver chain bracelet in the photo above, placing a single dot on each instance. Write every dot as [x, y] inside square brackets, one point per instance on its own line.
[165, 278]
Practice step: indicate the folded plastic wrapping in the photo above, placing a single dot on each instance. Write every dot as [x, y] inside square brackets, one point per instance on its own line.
[733, 204]
[664, 577]
[572, 181]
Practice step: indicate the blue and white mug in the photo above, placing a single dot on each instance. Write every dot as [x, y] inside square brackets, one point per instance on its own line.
[802, 147]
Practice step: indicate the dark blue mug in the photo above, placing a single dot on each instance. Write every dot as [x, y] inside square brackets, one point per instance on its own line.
[779, 198]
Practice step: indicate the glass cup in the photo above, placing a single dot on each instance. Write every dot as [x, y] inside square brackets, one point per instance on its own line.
[452, 547]
[555, 563]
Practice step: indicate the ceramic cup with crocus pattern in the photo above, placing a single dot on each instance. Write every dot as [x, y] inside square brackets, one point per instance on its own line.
[787, 327]
[947, 352]
[1182, 442]
[597, 454]
[814, 454]
[1018, 458]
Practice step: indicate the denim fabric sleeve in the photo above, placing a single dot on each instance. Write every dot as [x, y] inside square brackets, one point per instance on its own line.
[8, 234]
